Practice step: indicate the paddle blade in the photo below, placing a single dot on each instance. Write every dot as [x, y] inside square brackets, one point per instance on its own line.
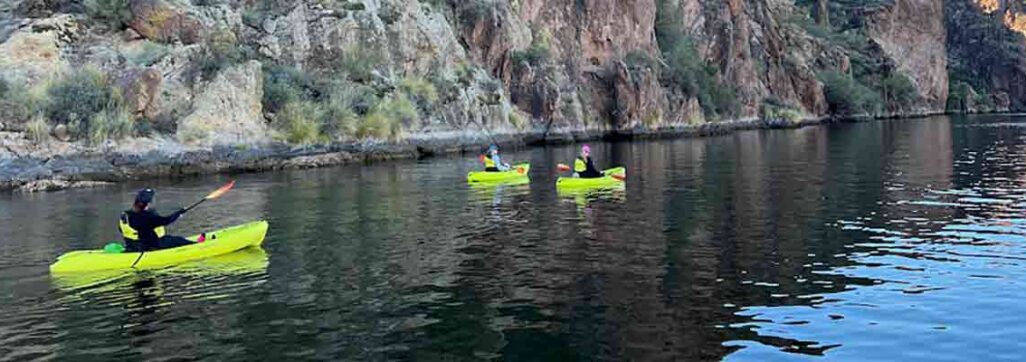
[563, 168]
[221, 191]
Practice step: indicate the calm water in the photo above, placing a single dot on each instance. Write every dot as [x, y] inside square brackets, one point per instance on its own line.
[876, 241]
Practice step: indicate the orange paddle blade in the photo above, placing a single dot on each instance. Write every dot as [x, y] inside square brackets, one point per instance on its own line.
[481, 158]
[221, 191]
[563, 167]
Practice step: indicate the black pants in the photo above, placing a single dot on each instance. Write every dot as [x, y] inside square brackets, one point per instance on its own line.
[590, 174]
[166, 242]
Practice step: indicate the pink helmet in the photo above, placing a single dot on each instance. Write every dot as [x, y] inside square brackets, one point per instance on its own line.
[586, 149]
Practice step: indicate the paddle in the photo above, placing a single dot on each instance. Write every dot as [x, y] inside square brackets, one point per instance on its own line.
[213, 195]
[564, 168]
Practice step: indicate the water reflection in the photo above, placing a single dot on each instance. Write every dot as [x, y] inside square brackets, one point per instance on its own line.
[873, 241]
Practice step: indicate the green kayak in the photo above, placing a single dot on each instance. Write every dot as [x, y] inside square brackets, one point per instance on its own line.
[608, 181]
[517, 173]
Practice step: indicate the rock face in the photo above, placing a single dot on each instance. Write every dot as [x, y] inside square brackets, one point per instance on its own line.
[985, 52]
[228, 111]
[913, 34]
[161, 21]
[36, 51]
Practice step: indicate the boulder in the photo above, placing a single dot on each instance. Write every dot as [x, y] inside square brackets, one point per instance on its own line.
[35, 52]
[162, 21]
[228, 110]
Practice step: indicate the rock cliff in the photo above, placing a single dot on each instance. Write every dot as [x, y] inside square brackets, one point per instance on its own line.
[208, 72]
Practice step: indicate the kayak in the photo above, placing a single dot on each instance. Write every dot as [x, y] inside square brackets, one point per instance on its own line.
[245, 262]
[607, 181]
[518, 173]
[218, 242]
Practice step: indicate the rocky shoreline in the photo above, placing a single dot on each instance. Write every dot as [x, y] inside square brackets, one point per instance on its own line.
[39, 172]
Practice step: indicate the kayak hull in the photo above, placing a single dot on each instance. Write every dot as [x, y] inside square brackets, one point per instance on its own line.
[218, 242]
[607, 181]
[517, 174]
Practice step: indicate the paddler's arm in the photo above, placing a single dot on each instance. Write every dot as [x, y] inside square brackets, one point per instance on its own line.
[156, 220]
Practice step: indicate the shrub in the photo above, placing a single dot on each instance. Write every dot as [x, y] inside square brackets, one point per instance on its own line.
[113, 123]
[898, 91]
[149, 53]
[300, 122]
[420, 91]
[359, 63]
[472, 11]
[19, 104]
[958, 97]
[114, 13]
[220, 51]
[78, 96]
[38, 130]
[284, 85]
[846, 96]
[387, 118]
[539, 51]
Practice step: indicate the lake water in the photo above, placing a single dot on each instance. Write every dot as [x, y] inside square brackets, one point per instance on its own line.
[897, 240]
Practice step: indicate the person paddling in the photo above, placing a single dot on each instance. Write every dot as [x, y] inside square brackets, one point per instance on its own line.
[584, 165]
[143, 229]
[492, 161]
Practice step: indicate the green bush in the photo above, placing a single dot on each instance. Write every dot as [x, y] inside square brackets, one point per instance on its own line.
[301, 122]
[420, 91]
[220, 51]
[19, 104]
[359, 63]
[958, 94]
[846, 96]
[472, 11]
[339, 118]
[113, 123]
[539, 51]
[38, 130]
[149, 53]
[284, 85]
[898, 91]
[78, 96]
[114, 13]
[387, 118]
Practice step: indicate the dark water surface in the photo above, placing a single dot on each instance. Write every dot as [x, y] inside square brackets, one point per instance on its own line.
[897, 240]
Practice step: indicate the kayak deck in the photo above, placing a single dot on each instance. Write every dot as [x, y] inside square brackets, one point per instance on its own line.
[518, 172]
[218, 243]
[571, 183]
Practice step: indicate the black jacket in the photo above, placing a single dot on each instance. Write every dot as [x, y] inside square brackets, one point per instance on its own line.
[146, 221]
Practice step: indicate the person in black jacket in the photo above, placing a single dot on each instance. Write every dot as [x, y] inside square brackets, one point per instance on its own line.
[143, 229]
[584, 165]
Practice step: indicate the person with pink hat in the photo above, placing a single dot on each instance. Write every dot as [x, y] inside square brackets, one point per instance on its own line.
[584, 166]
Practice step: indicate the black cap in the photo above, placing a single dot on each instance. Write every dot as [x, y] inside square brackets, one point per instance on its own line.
[145, 196]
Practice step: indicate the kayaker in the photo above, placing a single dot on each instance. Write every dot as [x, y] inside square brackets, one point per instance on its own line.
[144, 230]
[492, 161]
[584, 166]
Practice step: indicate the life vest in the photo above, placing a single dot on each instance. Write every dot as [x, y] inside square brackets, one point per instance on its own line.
[488, 162]
[131, 234]
[580, 165]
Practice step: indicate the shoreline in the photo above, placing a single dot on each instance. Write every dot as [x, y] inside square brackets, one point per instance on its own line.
[92, 167]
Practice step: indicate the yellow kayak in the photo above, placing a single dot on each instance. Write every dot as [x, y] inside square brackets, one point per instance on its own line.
[217, 243]
[518, 173]
[248, 261]
[607, 181]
